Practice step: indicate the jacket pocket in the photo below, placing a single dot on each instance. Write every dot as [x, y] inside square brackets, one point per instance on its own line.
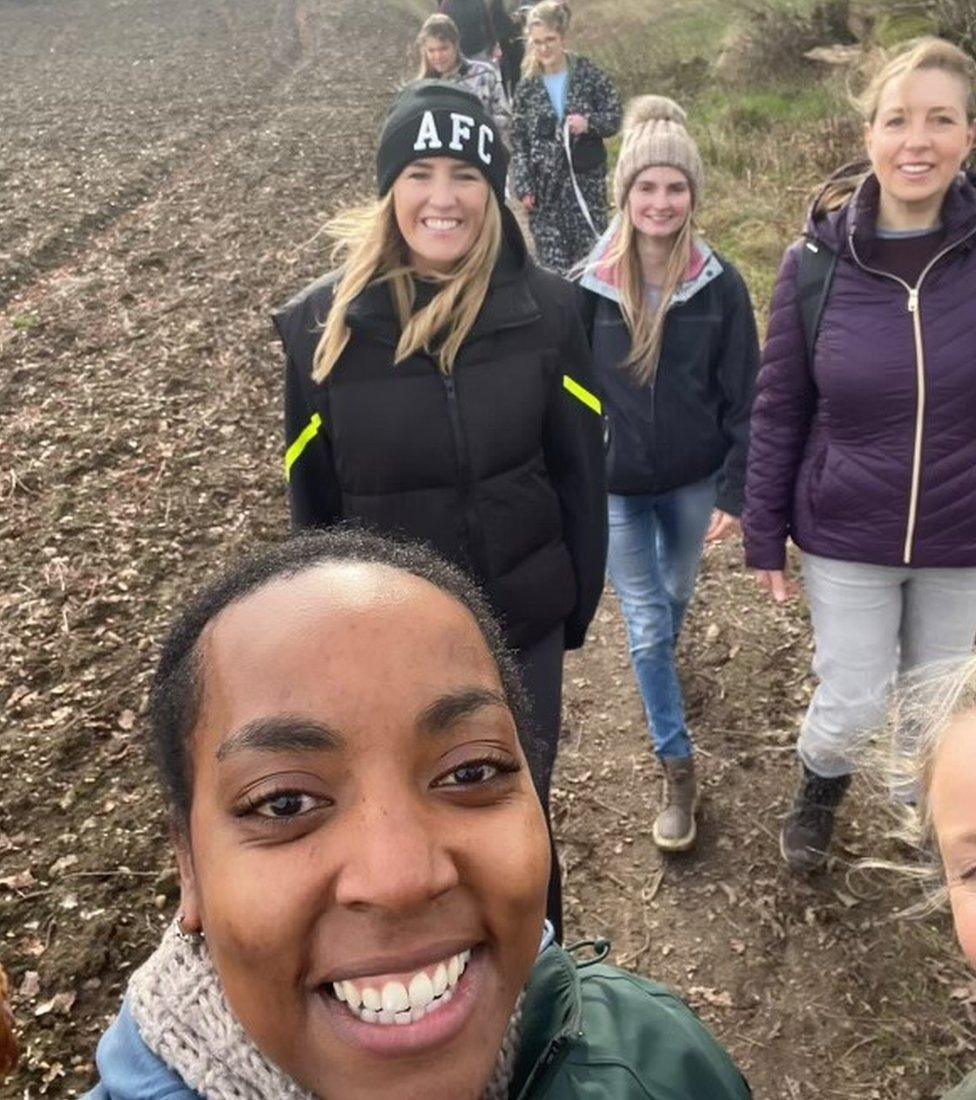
[811, 473]
[832, 497]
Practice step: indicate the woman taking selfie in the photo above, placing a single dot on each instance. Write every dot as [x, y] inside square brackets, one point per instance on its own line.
[438, 386]
[864, 430]
[562, 98]
[936, 715]
[339, 717]
[676, 354]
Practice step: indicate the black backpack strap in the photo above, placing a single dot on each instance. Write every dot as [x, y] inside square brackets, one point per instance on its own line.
[814, 275]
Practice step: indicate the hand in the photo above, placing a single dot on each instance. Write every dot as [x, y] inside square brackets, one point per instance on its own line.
[578, 124]
[723, 526]
[528, 201]
[778, 583]
[496, 53]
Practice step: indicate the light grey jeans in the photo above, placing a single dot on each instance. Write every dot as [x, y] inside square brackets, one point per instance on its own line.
[871, 625]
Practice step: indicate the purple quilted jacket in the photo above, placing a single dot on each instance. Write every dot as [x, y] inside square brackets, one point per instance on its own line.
[869, 454]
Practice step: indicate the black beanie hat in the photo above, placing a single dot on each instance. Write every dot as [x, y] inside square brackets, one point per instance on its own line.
[434, 118]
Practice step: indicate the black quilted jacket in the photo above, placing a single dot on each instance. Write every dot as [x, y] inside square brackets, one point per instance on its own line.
[499, 466]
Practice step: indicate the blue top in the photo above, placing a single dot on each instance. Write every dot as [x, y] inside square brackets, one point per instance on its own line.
[556, 87]
[129, 1069]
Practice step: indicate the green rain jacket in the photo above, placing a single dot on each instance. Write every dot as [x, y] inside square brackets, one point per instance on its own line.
[593, 1032]
[965, 1090]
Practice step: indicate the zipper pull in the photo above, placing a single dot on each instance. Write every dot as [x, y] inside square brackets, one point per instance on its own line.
[913, 300]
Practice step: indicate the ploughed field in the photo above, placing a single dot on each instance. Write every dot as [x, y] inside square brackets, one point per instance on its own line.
[165, 169]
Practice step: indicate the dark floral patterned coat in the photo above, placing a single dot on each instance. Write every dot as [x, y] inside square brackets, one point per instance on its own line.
[562, 235]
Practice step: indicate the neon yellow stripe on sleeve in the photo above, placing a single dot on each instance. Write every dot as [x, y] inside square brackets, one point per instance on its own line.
[590, 400]
[308, 433]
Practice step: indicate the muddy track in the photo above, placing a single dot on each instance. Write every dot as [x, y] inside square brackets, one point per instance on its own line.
[284, 47]
[140, 444]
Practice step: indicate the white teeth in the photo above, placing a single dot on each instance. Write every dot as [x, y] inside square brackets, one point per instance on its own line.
[440, 979]
[421, 991]
[395, 997]
[396, 1004]
[441, 223]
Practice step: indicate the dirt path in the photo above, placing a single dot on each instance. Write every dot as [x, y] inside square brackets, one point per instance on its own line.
[140, 442]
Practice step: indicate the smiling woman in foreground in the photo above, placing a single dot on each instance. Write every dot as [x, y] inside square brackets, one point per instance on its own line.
[364, 860]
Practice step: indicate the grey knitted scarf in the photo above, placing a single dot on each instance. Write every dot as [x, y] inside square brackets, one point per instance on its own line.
[179, 1008]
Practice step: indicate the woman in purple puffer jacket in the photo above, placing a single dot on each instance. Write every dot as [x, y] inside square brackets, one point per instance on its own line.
[866, 457]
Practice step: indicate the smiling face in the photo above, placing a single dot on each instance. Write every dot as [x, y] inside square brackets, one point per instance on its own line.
[367, 856]
[549, 47]
[441, 55]
[952, 796]
[917, 143]
[659, 202]
[440, 206]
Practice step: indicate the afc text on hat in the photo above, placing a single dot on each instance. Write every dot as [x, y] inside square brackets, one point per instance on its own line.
[461, 127]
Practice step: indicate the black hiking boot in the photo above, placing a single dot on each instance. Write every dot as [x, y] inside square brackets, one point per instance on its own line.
[805, 836]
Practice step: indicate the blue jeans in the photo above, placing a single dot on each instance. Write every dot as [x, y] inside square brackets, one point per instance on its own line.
[655, 549]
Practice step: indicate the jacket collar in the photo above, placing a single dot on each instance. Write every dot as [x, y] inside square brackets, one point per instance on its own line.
[552, 1014]
[854, 224]
[603, 278]
[508, 304]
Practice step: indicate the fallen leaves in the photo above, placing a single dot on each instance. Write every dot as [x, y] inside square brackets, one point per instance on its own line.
[715, 998]
[60, 1003]
[22, 880]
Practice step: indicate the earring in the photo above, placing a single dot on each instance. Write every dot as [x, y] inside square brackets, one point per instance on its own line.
[186, 937]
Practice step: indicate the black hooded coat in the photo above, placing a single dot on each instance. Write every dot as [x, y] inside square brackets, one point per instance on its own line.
[498, 465]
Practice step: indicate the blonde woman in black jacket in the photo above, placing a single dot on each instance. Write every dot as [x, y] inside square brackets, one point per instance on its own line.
[438, 385]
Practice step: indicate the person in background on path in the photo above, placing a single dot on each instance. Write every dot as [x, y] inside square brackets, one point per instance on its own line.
[338, 716]
[478, 39]
[935, 757]
[676, 353]
[507, 18]
[560, 91]
[438, 385]
[865, 455]
[441, 59]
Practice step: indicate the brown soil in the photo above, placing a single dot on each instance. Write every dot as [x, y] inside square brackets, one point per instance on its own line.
[165, 168]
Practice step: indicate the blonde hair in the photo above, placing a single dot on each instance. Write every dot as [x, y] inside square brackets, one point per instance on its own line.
[552, 14]
[372, 249]
[443, 28]
[646, 326]
[917, 55]
[926, 709]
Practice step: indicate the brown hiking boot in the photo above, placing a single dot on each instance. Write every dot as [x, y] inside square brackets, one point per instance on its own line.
[675, 829]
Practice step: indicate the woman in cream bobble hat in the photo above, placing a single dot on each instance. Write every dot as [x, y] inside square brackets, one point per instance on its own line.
[676, 354]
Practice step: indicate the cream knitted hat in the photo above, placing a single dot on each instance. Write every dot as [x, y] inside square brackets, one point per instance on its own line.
[655, 134]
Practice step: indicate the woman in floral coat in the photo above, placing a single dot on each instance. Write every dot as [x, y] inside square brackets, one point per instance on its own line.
[560, 90]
